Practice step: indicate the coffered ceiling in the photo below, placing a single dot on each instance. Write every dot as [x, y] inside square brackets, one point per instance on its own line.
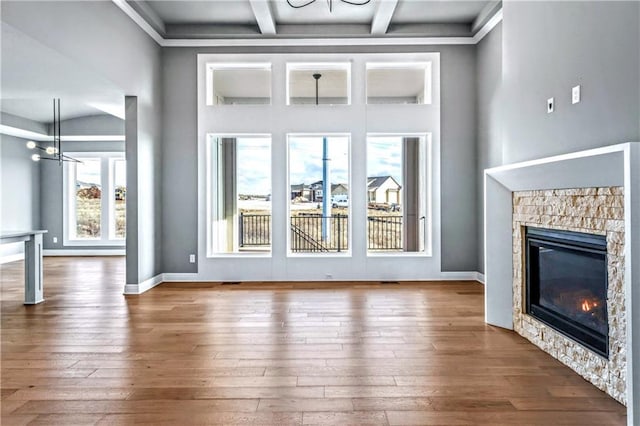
[320, 18]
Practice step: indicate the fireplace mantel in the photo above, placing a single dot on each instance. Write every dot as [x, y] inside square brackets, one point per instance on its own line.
[615, 165]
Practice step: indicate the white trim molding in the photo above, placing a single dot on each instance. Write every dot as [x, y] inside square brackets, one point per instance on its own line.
[90, 252]
[317, 41]
[462, 276]
[139, 288]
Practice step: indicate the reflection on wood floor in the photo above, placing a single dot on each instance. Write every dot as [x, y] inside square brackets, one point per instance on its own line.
[260, 353]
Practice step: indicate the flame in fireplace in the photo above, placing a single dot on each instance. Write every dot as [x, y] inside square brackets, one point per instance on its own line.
[588, 305]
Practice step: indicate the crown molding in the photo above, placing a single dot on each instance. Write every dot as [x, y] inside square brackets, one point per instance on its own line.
[312, 42]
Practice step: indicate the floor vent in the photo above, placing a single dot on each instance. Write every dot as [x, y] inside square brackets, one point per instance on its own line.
[389, 282]
[231, 283]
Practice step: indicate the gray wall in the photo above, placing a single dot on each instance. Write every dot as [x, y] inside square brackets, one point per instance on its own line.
[179, 178]
[19, 190]
[489, 124]
[100, 124]
[549, 47]
[99, 36]
[51, 181]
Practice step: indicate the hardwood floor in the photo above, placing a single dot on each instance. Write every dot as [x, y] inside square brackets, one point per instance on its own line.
[415, 353]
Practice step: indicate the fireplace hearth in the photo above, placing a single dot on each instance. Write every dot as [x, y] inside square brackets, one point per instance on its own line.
[566, 284]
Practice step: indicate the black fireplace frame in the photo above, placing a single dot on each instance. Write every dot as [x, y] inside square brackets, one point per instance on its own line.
[587, 244]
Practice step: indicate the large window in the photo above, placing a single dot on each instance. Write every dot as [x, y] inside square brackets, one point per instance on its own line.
[397, 193]
[95, 199]
[240, 194]
[319, 199]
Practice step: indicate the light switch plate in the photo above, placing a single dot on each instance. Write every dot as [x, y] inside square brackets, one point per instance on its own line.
[55, 240]
[550, 105]
[575, 94]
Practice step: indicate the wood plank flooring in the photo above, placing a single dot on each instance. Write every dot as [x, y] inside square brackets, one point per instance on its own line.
[260, 353]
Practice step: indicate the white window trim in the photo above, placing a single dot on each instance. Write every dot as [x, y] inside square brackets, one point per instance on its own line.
[107, 218]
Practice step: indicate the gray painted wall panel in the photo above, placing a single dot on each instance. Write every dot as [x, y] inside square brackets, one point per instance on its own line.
[19, 190]
[459, 200]
[549, 47]
[489, 113]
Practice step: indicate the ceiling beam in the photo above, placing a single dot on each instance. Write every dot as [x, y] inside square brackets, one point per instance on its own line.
[382, 17]
[264, 17]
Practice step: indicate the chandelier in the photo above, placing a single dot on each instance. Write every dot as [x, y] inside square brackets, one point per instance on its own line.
[52, 152]
[299, 5]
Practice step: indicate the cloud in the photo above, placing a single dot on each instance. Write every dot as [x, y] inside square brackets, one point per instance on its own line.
[305, 159]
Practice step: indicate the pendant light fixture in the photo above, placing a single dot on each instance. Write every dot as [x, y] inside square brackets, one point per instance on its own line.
[52, 152]
[300, 5]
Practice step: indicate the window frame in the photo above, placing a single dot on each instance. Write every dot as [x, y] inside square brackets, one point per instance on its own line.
[427, 93]
[107, 204]
[317, 66]
[212, 67]
[212, 250]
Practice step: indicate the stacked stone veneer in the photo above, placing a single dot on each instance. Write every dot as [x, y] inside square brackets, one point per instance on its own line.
[590, 210]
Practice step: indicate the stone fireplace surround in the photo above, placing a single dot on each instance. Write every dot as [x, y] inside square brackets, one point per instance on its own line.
[587, 210]
[607, 167]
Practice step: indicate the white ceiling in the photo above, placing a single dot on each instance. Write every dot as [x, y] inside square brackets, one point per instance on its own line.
[33, 74]
[437, 12]
[202, 12]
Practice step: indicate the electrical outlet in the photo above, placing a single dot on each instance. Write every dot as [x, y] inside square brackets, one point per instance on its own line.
[192, 258]
[328, 276]
[550, 105]
[575, 94]
[55, 240]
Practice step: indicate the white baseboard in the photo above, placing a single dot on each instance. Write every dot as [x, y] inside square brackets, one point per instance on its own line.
[193, 277]
[11, 258]
[93, 252]
[462, 276]
[180, 277]
[143, 286]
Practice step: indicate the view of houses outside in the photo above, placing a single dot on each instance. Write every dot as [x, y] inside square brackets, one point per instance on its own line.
[384, 194]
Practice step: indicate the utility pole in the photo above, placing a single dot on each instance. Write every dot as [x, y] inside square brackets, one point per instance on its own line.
[326, 183]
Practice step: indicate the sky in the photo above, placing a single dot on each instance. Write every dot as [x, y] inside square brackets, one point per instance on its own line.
[384, 157]
[305, 159]
[254, 166]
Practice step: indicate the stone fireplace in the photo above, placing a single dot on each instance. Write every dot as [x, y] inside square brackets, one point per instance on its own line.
[574, 240]
[593, 194]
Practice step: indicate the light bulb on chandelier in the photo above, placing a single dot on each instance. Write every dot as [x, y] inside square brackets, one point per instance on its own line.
[53, 152]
